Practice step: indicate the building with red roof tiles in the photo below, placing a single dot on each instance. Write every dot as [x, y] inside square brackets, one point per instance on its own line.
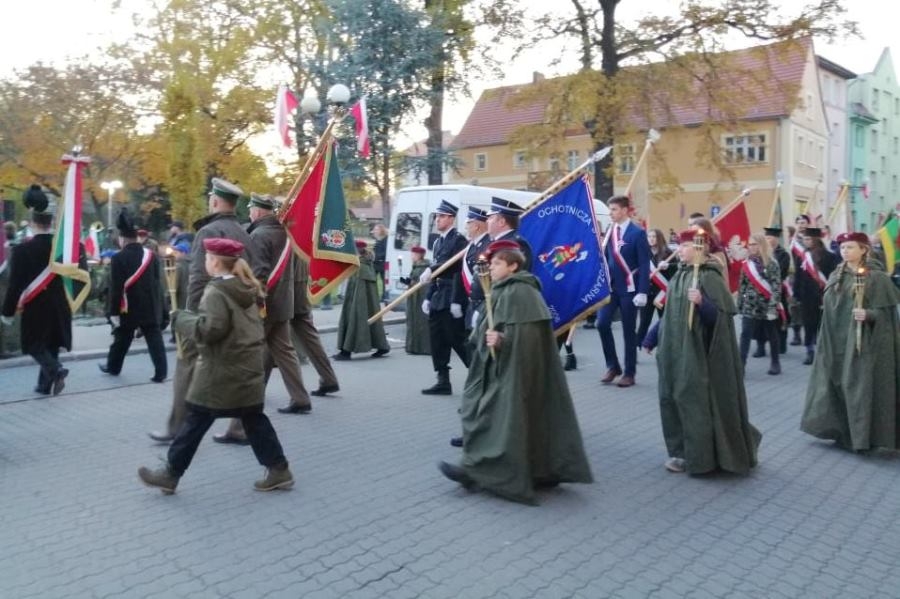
[777, 128]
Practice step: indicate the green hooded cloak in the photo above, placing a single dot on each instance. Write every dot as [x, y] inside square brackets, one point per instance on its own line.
[418, 337]
[519, 423]
[355, 334]
[702, 400]
[852, 397]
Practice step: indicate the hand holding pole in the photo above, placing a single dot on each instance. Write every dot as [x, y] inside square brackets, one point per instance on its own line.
[859, 286]
[699, 253]
[171, 281]
[482, 269]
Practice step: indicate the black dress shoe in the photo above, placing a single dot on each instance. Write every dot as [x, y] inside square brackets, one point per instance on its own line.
[380, 352]
[759, 353]
[456, 441]
[42, 390]
[227, 439]
[341, 356]
[456, 474]
[293, 408]
[157, 379]
[60, 382]
[160, 437]
[324, 390]
[105, 369]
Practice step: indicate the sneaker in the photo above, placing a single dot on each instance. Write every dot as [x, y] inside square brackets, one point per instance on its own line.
[276, 478]
[675, 465]
[162, 479]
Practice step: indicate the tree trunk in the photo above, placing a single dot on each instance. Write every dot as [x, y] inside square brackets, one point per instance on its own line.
[434, 122]
[603, 184]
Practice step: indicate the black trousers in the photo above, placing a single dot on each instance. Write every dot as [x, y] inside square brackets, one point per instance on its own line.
[48, 359]
[197, 421]
[756, 328]
[447, 333]
[811, 316]
[122, 338]
[646, 314]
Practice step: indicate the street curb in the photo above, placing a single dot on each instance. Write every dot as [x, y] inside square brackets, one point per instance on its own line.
[94, 354]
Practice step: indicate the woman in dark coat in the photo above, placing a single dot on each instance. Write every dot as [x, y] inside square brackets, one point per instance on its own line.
[418, 338]
[663, 264]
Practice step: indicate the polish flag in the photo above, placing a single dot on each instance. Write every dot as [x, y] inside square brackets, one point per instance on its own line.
[285, 104]
[358, 112]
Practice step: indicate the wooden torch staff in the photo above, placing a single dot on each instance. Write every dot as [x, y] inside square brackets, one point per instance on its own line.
[699, 247]
[482, 269]
[550, 191]
[859, 286]
[172, 282]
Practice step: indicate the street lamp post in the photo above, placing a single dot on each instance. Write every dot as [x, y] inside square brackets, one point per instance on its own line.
[110, 187]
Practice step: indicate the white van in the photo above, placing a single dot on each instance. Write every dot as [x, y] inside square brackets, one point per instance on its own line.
[412, 220]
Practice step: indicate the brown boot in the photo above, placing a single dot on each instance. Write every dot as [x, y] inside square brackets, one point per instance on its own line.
[277, 477]
[162, 478]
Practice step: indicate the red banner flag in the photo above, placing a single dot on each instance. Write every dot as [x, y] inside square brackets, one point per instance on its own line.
[285, 104]
[316, 222]
[358, 112]
[734, 229]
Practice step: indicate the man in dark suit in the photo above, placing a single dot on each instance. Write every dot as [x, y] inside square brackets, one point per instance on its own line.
[503, 223]
[773, 236]
[628, 257]
[135, 301]
[479, 240]
[445, 313]
[41, 298]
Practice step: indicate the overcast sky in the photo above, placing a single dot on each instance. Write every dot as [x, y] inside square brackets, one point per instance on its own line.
[52, 30]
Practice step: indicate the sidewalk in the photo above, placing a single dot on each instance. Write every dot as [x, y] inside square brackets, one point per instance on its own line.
[91, 337]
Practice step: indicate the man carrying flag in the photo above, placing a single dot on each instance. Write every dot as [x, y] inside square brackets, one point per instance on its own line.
[39, 294]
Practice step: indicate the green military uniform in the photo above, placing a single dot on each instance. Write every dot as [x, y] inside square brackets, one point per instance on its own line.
[519, 423]
[418, 337]
[854, 397]
[355, 334]
[702, 400]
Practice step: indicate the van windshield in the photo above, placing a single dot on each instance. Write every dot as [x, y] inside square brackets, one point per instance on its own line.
[409, 230]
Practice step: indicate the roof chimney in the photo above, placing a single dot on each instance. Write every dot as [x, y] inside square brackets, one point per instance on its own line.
[537, 77]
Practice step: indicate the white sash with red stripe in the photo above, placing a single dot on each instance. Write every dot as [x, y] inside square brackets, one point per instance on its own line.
[810, 267]
[35, 287]
[146, 258]
[467, 276]
[786, 289]
[762, 285]
[617, 256]
[660, 280]
[797, 248]
[282, 263]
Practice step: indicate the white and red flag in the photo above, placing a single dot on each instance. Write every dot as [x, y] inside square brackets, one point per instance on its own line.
[358, 112]
[285, 103]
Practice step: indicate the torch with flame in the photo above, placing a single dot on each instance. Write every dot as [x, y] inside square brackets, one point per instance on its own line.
[859, 286]
[482, 269]
[699, 247]
[171, 282]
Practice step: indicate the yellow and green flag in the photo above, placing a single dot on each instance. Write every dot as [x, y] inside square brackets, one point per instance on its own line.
[889, 234]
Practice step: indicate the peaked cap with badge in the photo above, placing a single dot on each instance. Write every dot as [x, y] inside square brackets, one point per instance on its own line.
[475, 213]
[506, 207]
[226, 190]
[447, 208]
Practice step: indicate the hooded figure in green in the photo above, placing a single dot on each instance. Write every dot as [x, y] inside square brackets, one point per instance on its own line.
[355, 334]
[418, 337]
[702, 400]
[853, 395]
[520, 431]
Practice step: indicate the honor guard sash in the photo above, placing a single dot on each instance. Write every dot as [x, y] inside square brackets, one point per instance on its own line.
[35, 287]
[762, 285]
[810, 267]
[146, 258]
[282, 263]
[617, 256]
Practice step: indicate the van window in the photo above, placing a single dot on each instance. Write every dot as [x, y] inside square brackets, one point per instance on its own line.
[432, 231]
[409, 230]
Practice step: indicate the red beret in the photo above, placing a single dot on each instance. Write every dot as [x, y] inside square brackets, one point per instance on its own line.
[853, 236]
[417, 249]
[360, 244]
[502, 244]
[689, 234]
[221, 246]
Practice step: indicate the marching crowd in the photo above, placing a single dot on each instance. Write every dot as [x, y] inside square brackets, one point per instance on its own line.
[238, 296]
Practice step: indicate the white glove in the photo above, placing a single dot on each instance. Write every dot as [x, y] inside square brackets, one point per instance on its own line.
[425, 277]
[640, 300]
[662, 265]
[116, 321]
[456, 311]
[426, 307]
[7, 320]
[474, 318]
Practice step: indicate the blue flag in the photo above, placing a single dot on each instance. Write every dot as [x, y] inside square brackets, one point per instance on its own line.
[568, 258]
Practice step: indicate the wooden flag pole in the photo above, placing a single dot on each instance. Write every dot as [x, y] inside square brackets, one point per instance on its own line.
[842, 197]
[731, 205]
[776, 201]
[549, 192]
[308, 166]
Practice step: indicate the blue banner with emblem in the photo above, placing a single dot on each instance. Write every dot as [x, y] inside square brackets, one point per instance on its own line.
[568, 258]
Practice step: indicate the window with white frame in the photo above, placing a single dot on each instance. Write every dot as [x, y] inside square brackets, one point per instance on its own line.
[883, 164]
[874, 141]
[572, 160]
[625, 158]
[875, 100]
[799, 149]
[873, 182]
[481, 162]
[896, 146]
[553, 164]
[894, 184]
[820, 158]
[519, 160]
[745, 149]
[859, 137]
[896, 106]
[809, 105]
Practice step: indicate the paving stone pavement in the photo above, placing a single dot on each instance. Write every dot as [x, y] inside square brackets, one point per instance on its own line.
[370, 516]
